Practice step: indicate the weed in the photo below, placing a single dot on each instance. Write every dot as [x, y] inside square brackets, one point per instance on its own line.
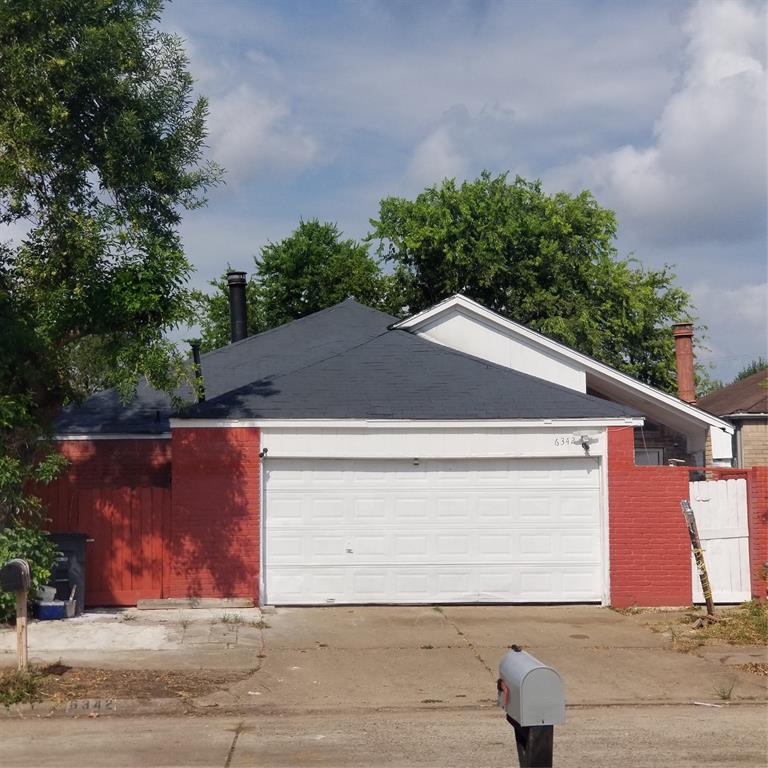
[437, 608]
[724, 690]
[427, 647]
[128, 617]
[231, 618]
[632, 610]
[260, 624]
[19, 687]
[184, 623]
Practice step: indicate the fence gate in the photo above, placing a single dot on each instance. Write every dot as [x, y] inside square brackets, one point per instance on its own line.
[124, 553]
[720, 507]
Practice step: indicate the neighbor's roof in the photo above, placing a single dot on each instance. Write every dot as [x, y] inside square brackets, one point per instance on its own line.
[746, 396]
[347, 363]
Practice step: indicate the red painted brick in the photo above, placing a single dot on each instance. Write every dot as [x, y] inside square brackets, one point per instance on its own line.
[649, 545]
[213, 545]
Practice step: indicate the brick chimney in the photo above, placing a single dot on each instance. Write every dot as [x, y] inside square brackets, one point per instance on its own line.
[686, 383]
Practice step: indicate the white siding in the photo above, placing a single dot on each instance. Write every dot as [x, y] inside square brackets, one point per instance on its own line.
[469, 334]
[414, 441]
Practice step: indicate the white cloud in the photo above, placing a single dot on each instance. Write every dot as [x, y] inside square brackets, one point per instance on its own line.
[703, 176]
[435, 158]
[737, 319]
[252, 132]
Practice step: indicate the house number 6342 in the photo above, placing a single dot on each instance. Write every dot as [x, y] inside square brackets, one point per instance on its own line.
[567, 440]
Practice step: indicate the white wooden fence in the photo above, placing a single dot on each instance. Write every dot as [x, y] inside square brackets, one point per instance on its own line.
[720, 507]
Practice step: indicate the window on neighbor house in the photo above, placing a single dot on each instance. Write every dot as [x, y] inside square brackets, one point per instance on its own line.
[649, 457]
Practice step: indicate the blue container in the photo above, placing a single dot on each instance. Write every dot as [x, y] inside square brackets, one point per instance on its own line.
[48, 610]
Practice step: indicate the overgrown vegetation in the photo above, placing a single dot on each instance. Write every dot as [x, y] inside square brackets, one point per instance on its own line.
[20, 687]
[30, 543]
[746, 624]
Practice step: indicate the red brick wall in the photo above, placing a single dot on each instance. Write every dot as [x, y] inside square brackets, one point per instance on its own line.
[213, 538]
[758, 529]
[117, 463]
[650, 551]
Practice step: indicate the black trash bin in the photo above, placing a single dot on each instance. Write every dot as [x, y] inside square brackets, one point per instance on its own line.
[69, 569]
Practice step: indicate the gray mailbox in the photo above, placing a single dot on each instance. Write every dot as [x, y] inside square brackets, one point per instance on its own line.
[532, 696]
[15, 576]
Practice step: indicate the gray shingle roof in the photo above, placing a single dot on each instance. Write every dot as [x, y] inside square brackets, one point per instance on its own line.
[345, 363]
[293, 345]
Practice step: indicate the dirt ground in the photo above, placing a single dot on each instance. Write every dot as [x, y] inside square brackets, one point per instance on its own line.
[59, 683]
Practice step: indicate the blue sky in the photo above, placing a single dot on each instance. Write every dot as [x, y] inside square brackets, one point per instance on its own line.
[320, 109]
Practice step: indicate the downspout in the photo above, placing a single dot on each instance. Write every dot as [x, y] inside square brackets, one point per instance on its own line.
[262, 526]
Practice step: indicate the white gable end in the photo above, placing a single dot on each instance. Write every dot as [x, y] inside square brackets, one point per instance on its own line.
[469, 327]
[457, 329]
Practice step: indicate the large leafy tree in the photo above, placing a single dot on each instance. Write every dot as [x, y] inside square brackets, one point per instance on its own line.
[101, 150]
[548, 261]
[311, 269]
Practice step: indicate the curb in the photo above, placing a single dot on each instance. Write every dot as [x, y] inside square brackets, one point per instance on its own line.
[95, 708]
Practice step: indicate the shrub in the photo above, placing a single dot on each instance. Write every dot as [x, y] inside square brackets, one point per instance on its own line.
[35, 546]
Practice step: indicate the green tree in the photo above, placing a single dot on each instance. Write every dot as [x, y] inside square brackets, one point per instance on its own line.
[101, 150]
[757, 365]
[548, 261]
[311, 269]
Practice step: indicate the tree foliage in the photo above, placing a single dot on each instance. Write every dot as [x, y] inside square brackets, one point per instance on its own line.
[29, 542]
[101, 150]
[757, 365]
[547, 261]
[311, 269]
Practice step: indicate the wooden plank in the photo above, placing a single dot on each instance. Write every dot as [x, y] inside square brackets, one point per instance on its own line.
[21, 630]
[693, 532]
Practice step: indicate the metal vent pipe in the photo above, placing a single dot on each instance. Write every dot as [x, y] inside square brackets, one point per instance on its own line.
[238, 309]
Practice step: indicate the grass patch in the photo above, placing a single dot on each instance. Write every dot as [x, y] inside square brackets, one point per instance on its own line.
[745, 625]
[20, 687]
[231, 618]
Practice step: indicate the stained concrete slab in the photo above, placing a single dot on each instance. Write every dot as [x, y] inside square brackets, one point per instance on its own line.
[363, 678]
[545, 626]
[129, 638]
[359, 627]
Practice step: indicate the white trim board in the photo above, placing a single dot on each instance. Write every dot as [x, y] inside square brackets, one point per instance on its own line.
[406, 425]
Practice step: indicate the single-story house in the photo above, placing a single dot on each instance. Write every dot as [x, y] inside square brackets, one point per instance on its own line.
[352, 457]
[745, 405]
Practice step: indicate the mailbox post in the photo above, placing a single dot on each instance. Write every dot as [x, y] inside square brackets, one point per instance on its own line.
[532, 697]
[15, 577]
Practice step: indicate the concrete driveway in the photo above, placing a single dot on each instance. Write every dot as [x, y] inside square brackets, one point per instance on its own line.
[415, 686]
[425, 657]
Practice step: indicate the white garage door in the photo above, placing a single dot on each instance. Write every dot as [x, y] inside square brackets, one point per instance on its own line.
[392, 531]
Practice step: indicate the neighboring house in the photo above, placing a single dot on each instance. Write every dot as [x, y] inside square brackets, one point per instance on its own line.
[745, 404]
[348, 457]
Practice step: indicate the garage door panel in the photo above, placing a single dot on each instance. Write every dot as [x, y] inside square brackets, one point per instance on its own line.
[442, 531]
